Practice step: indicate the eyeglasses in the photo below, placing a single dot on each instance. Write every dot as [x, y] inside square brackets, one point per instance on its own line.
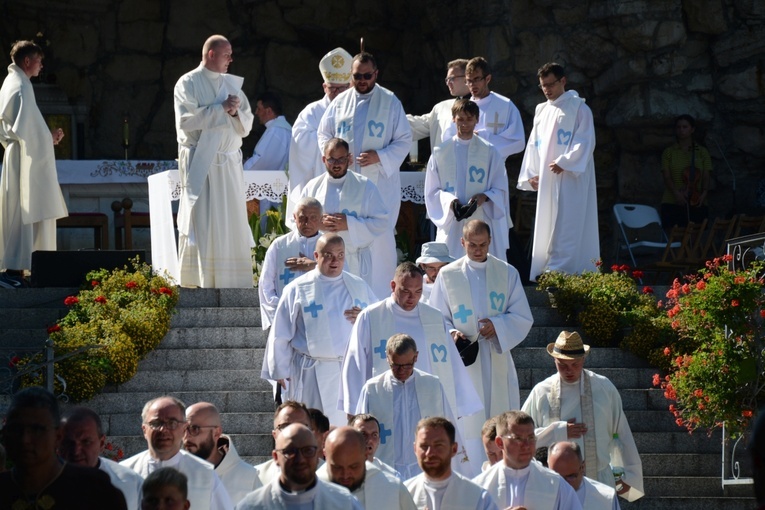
[168, 425]
[194, 430]
[337, 88]
[307, 452]
[543, 86]
[475, 80]
[450, 79]
[400, 366]
[521, 440]
[337, 161]
[364, 76]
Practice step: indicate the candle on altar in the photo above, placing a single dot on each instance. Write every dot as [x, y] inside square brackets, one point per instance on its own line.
[414, 151]
[125, 132]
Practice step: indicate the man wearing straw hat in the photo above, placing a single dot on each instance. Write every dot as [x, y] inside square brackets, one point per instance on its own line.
[580, 406]
[432, 258]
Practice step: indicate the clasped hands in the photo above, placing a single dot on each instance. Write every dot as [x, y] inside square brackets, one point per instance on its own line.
[337, 222]
[231, 105]
[301, 263]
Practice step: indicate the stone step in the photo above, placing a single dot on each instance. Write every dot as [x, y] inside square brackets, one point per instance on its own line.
[203, 359]
[218, 337]
[52, 297]
[622, 378]
[632, 399]
[224, 298]
[699, 486]
[170, 381]
[652, 421]
[681, 464]
[676, 442]
[534, 357]
[689, 503]
[229, 401]
[209, 317]
[541, 335]
[34, 318]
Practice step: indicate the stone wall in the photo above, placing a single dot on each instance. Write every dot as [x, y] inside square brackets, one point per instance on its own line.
[638, 62]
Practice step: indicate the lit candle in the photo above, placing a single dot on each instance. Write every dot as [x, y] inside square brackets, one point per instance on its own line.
[414, 152]
[125, 132]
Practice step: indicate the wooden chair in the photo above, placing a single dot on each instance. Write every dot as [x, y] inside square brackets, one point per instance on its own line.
[678, 260]
[99, 222]
[715, 243]
[125, 220]
[749, 225]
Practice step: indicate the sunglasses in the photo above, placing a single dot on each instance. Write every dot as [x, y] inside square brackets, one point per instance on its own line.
[364, 76]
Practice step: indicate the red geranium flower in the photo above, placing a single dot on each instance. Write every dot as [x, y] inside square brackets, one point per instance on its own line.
[647, 290]
[701, 285]
[734, 302]
[637, 274]
[762, 313]
[746, 413]
[54, 329]
[14, 361]
[656, 379]
[165, 290]
[71, 300]
[100, 299]
[131, 285]
[94, 283]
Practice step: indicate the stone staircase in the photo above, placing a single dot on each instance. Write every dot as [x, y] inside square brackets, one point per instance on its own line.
[215, 349]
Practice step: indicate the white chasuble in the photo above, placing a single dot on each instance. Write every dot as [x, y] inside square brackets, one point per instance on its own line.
[535, 487]
[460, 493]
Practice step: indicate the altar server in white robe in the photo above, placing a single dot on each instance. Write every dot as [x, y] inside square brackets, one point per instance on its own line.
[289, 257]
[433, 125]
[399, 398]
[212, 115]
[369, 427]
[565, 458]
[483, 302]
[305, 156]
[402, 312]
[433, 257]
[272, 150]
[287, 413]
[500, 122]
[518, 480]
[354, 210]
[30, 197]
[438, 487]
[204, 438]
[559, 166]
[581, 406]
[312, 325]
[371, 119]
[163, 427]
[297, 486]
[346, 465]
[463, 171]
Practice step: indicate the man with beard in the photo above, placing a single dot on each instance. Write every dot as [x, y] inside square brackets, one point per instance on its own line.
[437, 487]
[83, 444]
[354, 210]
[287, 413]
[345, 453]
[163, 428]
[369, 427]
[297, 486]
[204, 438]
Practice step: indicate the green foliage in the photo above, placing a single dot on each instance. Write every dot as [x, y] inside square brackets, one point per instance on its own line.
[275, 227]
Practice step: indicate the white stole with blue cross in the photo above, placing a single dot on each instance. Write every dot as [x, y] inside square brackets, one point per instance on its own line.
[477, 172]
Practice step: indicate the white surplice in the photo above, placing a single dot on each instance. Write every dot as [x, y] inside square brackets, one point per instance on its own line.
[433, 125]
[322, 495]
[566, 226]
[214, 237]
[454, 493]
[379, 490]
[499, 123]
[30, 197]
[238, 477]
[609, 420]
[457, 170]
[594, 495]
[534, 487]
[359, 199]
[125, 479]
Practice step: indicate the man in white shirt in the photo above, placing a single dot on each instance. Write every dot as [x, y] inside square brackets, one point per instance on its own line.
[565, 458]
[204, 438]
[272, 150]
[437, 487]
[519, 481]
[488, 438]
[286, 413]
[579, 405]
[346, 465]
[369, 427]
[289, 257]
[164, 423]
[436, 123]
[82, 445]
[297, 486]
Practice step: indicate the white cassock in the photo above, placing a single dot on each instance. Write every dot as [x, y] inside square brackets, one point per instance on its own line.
[609, 419]
[238, 477]
[305, 157]
[454, 493]
[457, 170]
[499, 123]
[272, 150]
[320, 496]
[566, 226]
[358, 198]
[214, 237]
[379, 490]
[275, 275]
[534, 487]
[206, 491]
[125, 479]
[433, 125]
[466, 291]
[398, 406]
[594, 495]
[309, 337]
[30, 197]
[374, 121]
[267, 471]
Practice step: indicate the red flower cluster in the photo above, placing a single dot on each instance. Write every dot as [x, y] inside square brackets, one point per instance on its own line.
[637, 274]
[71, 300]
[165, 290]
[54, 329]
[647, 290]
[100, 299]
[131, 285]
[14, 361]
[95, 283]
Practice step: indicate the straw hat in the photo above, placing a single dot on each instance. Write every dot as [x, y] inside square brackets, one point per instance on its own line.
[568, 345]
[433, 253]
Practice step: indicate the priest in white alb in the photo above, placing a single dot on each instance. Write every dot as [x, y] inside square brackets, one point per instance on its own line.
[466, 171]
[272, 150]
[212, 115]
[565, 458]
[559, 166]
[484, 304]
[354, 210]
[312, 324]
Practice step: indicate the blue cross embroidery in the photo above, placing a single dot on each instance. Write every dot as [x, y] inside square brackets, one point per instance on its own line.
[287, 275]
[384, 433]
[463, 314]
[381, 349]
[343, 128]
[448, 188]
[313, 309]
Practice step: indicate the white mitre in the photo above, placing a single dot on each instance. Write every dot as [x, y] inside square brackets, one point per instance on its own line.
[335, 66]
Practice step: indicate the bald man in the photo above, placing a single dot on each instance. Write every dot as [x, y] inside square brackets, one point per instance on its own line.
[204, 438]
[565, 458]
[345, 454]
[297, 485]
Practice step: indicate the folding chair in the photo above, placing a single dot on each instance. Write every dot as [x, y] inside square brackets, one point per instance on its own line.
[749, 225]
[640, 226]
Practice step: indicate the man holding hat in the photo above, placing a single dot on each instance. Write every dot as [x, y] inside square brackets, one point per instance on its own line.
[432, 258]
[581, 406]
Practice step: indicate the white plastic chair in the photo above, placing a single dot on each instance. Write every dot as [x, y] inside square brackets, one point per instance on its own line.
[645, 230]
